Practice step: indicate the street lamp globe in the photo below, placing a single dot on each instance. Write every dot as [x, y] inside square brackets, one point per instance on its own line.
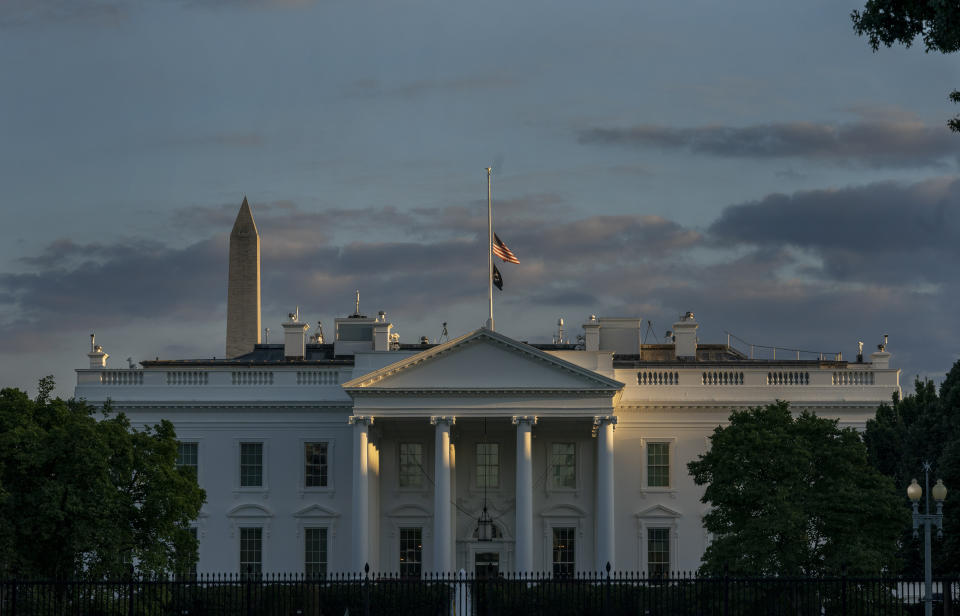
[914, 491]
[939, 491]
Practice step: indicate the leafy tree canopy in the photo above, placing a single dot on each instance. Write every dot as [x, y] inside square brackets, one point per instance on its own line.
[924, 426]
[795, 496]
[89, 497]
[893, 22]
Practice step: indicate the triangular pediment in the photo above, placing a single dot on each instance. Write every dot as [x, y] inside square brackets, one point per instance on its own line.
[658, 511]
[482, 361]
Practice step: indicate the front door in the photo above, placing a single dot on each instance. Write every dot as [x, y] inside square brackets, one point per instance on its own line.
[486, 564]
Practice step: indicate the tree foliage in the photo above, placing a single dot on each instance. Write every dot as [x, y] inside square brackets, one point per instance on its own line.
[901, 22]
[89, 497]
[795, 496]
[924, 426]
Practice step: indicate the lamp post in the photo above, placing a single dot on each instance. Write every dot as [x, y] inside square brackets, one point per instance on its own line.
[914, 491]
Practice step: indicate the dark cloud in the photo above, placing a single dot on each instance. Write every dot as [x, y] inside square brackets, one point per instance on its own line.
[882, 231]
[874, 141]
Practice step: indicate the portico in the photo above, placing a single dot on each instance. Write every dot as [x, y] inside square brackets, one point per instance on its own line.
[489, 382]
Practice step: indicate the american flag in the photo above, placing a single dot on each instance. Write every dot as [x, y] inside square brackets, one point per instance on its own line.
[500, 249]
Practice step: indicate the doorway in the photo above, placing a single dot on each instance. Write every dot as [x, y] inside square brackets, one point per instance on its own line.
[486, 565]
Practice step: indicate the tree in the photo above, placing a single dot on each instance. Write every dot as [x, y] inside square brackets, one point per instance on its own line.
[890, 22]
[88, 497]
[795, 496]
[924, 426]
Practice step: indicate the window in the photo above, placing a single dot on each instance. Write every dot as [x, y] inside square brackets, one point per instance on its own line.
[315, 552]
[315, 465]
[411, 465]
[251, 465]
[488, 465]
[658, 465]
[191, 570]
[658, 552]
[411, 552]
[187, 455]
[251, 551]
[563, 462]
[564, 551]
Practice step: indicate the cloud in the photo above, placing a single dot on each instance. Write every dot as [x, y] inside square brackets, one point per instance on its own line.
[878, 232]
[878, 140]
[815, 270]
[374, 88]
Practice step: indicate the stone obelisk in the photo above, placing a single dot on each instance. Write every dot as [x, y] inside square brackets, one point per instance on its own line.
[243, 290]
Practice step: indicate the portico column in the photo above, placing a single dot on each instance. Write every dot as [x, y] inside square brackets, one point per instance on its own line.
[524, 546]
[603, 426]
[361, 492]
[442, 528]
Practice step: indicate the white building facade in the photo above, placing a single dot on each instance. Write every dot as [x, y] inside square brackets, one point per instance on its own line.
[320, 458]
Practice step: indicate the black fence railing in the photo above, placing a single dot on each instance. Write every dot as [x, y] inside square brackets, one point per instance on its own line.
[618, 594]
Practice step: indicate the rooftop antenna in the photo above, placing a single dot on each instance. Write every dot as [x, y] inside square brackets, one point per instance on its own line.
[358, 303]
[266, 335]
[444, 333]
[93, 342]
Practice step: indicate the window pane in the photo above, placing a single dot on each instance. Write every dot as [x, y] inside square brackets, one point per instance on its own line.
[488, 465]
[315, 565]
[563, 461]
[187, 455]
[658, 465]
[411, 552]
[251, 464]
[315, 465]
[658, 551]
[251, 551]
[564, 552]
[411, 465]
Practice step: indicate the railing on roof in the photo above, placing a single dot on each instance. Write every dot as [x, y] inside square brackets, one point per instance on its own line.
[761, 351]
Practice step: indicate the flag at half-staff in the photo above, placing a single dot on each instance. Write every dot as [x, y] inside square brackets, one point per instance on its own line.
[500, 249]
[497, 278]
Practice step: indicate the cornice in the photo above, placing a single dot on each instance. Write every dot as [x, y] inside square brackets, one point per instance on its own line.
[484, 392]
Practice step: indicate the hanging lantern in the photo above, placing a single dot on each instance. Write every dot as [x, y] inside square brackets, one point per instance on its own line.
[484, 526]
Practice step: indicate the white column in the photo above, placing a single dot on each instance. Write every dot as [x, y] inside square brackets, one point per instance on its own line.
[361, 492]
[442, 527]
[524, 530]
[603, 429]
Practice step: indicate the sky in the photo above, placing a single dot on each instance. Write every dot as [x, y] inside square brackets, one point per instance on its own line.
[754, 162]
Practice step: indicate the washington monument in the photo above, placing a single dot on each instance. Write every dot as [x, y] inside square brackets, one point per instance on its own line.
[243, 290]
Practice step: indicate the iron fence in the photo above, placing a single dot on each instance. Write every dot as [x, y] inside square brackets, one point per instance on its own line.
[617, 594]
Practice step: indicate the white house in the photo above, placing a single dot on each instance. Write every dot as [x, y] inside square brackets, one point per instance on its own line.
[319, 457]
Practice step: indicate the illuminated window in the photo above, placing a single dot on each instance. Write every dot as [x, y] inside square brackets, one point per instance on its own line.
[564, 551]
[411, 552]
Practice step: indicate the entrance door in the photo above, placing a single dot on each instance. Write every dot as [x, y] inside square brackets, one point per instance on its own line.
[486, 564]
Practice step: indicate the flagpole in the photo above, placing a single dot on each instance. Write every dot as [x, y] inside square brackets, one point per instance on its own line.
[489, 251]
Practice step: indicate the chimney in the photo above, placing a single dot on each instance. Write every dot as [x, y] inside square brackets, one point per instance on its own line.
[591, 334]
[381, 333]
[294, 336]
[685, 337]
[98, 359]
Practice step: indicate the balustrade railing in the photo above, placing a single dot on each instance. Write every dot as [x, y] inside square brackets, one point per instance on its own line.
[788, 377]
[121, 377]
[188, 377]
[658, 377]
[722, 377]
[252, 377]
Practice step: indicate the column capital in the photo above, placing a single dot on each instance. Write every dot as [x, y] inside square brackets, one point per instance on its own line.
[439, 419]
[599, 420]
[530, 419]
[360, 420]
